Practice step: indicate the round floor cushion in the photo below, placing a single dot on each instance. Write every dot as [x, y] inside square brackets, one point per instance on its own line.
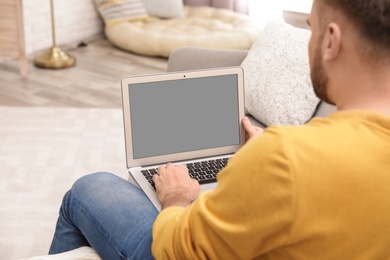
[206, 27]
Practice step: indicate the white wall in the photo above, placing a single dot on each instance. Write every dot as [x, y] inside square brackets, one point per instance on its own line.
[75, 20]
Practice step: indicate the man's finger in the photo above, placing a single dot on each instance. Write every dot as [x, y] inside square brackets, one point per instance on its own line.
[160, 170]
[249, 128]
[169, 166]
[155, 177]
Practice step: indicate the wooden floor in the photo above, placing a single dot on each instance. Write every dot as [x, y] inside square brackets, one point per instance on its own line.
[93, 82]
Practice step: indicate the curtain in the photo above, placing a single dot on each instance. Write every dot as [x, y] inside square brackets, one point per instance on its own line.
[241, 6]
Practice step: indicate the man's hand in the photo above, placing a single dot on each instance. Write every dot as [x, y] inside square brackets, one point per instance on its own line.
[251, 131]
[174, 186]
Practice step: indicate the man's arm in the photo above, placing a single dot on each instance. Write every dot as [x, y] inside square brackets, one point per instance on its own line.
[174, 185]
[224, 223]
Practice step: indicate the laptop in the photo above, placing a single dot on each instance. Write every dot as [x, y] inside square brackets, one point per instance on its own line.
[184, 118]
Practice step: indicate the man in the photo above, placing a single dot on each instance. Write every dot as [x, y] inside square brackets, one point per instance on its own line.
[317, 191]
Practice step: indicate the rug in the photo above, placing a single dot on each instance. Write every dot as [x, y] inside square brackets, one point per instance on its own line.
[43, 151]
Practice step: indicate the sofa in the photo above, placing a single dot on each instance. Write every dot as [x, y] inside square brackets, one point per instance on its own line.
[195, 58]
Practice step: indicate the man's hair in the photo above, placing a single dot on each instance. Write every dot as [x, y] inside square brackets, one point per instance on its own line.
[372, 19]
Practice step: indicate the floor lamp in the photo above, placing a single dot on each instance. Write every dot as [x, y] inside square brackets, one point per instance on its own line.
[54, 58]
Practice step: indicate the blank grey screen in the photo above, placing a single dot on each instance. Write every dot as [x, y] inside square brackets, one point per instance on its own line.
[184, 115]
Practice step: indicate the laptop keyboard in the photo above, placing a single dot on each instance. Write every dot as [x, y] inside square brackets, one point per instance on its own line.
[204, 171]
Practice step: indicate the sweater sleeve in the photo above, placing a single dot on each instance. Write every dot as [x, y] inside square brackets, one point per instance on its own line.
[248, 214]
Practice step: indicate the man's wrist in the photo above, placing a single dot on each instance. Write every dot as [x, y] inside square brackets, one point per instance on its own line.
[175, 202]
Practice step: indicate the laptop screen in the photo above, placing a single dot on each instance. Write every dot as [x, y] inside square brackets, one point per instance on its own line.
[175, 116]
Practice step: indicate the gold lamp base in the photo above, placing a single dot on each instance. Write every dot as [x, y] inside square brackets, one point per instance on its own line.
[55, 58]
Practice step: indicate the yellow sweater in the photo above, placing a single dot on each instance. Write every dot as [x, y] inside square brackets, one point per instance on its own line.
[318, 191]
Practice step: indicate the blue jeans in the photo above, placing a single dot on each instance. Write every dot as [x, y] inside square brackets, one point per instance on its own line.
[108, 213]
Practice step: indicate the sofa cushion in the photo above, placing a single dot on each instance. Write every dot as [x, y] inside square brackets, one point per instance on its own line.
[164, 8]
[278, 89]
[118, 11]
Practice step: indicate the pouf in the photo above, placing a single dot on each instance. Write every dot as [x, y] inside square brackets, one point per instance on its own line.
[204, 26]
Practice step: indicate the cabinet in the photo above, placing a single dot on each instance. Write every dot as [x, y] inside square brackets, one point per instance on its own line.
[12, 43]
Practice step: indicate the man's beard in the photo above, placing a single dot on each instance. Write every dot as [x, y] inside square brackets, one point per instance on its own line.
[319, 78]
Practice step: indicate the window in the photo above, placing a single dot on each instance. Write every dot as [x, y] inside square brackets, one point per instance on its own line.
[264, 11]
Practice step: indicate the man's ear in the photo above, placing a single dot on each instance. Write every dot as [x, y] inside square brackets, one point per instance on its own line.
[332, 42]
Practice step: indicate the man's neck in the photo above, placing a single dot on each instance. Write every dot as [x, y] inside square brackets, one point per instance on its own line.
[379, 103]
[365, 88]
